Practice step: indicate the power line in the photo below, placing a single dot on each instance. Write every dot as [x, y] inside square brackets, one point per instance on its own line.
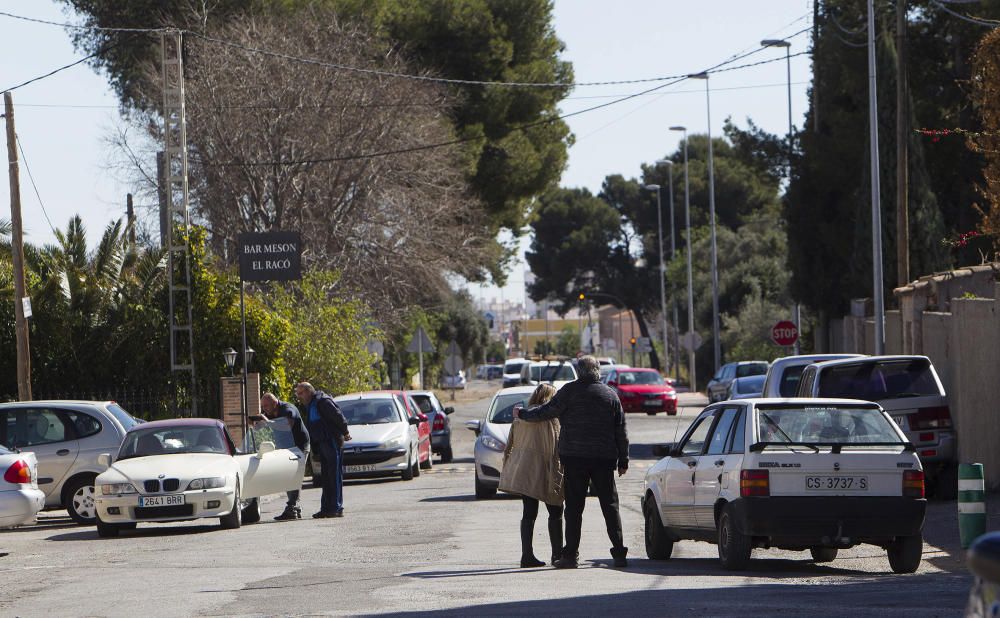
[82, 27]
[17, 138]
[53, 72]
[979, 21]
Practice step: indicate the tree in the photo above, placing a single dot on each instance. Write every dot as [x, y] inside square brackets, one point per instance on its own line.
[459, 321]
[568, 341]
[986, 88]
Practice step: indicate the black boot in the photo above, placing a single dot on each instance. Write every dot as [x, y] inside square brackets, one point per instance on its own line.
[528, 559]
[290, 512]
[618, 553]
[556, 538]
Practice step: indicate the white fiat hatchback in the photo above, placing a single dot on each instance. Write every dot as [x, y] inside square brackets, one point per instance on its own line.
[796, 474]
[184, 469]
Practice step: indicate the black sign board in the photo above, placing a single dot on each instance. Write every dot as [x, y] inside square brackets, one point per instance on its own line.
[270, 256]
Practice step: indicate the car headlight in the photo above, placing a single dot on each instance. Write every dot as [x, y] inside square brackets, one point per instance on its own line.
[110, 489]
[493, 444]
[393, 443]
[672, 395]
[208, 483]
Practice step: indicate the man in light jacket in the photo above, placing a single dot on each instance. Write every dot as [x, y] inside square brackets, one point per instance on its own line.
[593, 443]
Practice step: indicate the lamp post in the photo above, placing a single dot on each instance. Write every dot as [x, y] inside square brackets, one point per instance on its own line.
[663, 272]
[877, 285]
[673, 254]
[687, 224]
[711, 220]
[230, 355]
[796, 313]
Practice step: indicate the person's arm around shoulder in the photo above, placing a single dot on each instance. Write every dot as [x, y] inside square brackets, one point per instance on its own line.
[553, 408]
[621, 437]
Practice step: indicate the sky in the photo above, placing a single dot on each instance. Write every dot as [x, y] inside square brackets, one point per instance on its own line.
[65, 122]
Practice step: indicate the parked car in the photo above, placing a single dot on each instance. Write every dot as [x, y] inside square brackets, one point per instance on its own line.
[642, 390]
[512, 371]
[185, 469]
[748, 387]
[718, 386]
[20, 498]
[492, 432]
[555, 372]
[437, 416]
[66, 438]
[908, 388]
[387, 438]
[489, 372]
[456, 381]
[783, 374]
[796, 474]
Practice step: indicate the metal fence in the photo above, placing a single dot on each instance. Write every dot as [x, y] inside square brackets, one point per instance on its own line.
[148, 403]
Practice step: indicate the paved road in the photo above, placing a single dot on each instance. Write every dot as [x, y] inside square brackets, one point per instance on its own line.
[429, 546]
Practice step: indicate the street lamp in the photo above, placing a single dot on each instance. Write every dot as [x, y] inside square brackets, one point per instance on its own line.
[230, 355]
[717, 344]
[877, 284]
[796, 316]
[687, 224]
[663, 272]
[673, 254]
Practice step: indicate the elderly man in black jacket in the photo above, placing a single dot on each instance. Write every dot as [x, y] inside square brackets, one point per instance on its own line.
[273, 409]
[593, 442]
[328, 429]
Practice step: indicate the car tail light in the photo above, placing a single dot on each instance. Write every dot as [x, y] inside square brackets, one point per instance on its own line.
[18, 472]
[438, 422]
[913, 483]
[938, 417]
[926, 436]
[755, 483]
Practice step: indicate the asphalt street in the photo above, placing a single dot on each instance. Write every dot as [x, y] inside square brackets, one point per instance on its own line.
[427, 546]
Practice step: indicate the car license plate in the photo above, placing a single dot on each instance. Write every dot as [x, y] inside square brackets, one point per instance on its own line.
[172, 500]
[652, 403]
[837, 483]
[364, 468]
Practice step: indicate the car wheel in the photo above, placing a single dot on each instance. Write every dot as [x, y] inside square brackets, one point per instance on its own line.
[408, 471]
[234, 519]
[416, 463]
[734, 546]
[650, 413]
[251, 511]
[107, 531]
[80, 501]
[658, 544]
[823, 554]
[484, 491]
[447, 455]
[427, 465]
[905, 552]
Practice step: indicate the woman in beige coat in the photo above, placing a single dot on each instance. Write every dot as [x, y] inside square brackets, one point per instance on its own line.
[531, 468]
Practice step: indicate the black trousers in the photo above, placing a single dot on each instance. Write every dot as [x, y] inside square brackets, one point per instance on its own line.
[530, 511]
[578, 473]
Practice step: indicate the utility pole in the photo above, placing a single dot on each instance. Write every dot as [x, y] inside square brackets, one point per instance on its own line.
[878, 291]
[902, 153]
[17, 249]
[130, 217]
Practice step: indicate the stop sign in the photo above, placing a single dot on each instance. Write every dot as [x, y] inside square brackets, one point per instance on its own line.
[785, 333]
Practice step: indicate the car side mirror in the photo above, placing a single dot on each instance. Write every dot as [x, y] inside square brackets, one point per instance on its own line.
[449, 410]
[421, 416]
[474, 425]
[264, 449]
[413, 420]
[664, 450]
[104, 460]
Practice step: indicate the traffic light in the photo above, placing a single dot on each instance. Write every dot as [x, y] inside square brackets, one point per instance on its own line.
[632, 341]
[582, 296]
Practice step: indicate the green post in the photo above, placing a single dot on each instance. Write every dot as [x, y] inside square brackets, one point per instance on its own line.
[971, 503]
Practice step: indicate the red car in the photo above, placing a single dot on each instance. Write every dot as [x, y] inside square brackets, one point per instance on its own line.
[643, 390]
[423, 427]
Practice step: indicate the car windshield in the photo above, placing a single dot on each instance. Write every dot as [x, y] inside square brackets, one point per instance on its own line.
[424, 403]
[502, 410]
[510, 368]
[751, 369]
[173, 440]
[127, 420]
[550, 373]
[640, 377]
[879, 380]
[369, 411]
[824, 424]
[751, 384]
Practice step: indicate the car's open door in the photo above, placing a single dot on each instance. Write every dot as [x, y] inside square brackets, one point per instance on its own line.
[269, 470]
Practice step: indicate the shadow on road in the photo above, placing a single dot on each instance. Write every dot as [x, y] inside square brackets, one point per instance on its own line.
[46, 523]
[912, 595]
[88, 533]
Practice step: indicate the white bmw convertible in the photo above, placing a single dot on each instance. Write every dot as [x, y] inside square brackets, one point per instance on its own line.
[184, 469]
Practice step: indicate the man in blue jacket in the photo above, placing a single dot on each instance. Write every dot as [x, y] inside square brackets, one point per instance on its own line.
[593, 443]
[328, 429]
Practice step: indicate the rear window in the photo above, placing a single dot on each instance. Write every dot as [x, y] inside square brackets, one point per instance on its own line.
[503, 407]
[824, 424]
[751, 369]
[877, 381]
[550, 373]
[752, 384]
[512, 368]
[424, 403]
[789, 384]
[127, 420]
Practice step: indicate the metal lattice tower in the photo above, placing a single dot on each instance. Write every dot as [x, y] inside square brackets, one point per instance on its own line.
[178, 216]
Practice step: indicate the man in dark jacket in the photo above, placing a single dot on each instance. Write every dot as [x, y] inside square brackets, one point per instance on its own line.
[273, 409]
[328, 429]
[593, 442]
